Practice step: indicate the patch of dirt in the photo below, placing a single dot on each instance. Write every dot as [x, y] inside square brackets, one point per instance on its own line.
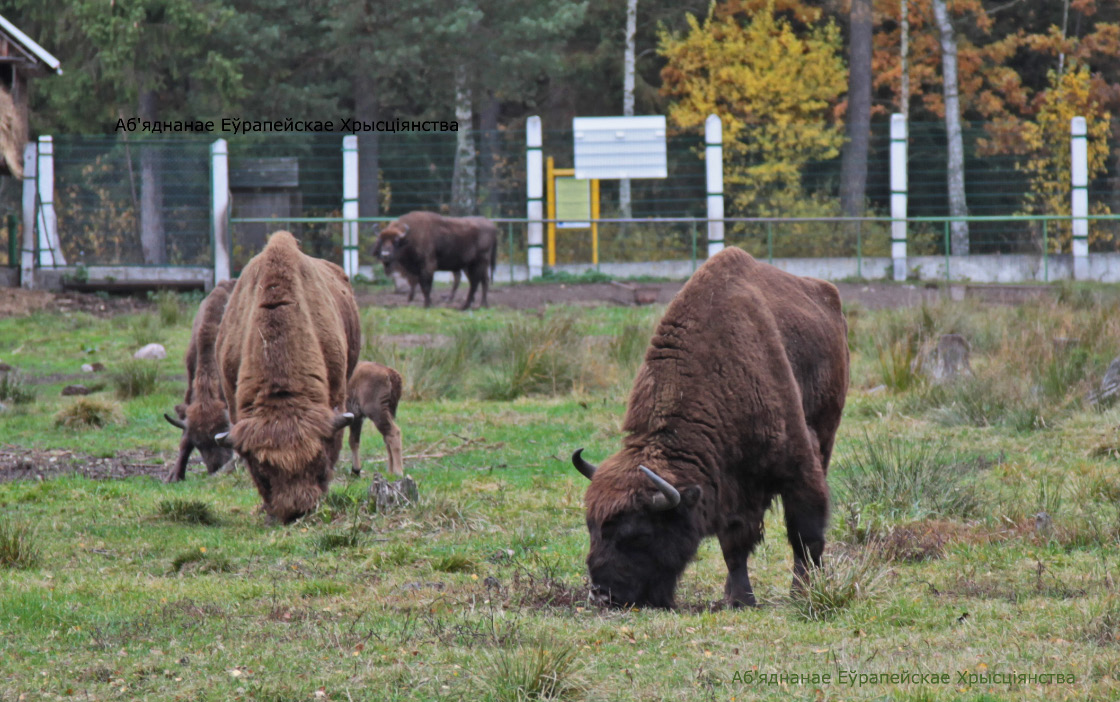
[18, 463]
[17, 302]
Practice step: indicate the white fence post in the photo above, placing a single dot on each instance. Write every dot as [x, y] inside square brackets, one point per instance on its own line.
[713, 164]
[1079, 180]
[898, 195]
[27, 255]
[534, 165]
[219, 211]
[350, 205]
[50, 253]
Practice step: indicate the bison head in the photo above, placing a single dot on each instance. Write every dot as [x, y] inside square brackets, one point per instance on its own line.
[199, 424]
[643, 532]
[388, 241]
[291, 458]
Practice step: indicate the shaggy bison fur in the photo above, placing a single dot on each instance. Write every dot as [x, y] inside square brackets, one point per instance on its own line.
[421, 243]
[287, 346]
[738, 401]
[203, 414]
[374, 392]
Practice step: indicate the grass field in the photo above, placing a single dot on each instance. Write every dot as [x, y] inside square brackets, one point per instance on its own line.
[972, 550]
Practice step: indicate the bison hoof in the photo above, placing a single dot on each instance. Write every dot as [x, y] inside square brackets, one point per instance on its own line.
[356, 472]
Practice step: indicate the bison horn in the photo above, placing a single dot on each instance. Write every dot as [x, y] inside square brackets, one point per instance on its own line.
[341, 421]
[669, 497]
[405, 228]
[175, 422]
[586, 469]
[223, 440]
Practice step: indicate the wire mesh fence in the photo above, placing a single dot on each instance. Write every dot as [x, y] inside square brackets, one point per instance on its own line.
[110, 190]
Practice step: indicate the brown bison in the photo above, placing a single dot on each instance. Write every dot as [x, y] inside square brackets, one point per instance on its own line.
[287, 345]
[738, 401]
[422, 243]
[374, 392]
[413, 281]
[203, 414]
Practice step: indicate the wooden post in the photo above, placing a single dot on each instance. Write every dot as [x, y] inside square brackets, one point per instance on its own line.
[713, 163]
[219, 210]
[27, 255]
[534, 193]
[350, 205]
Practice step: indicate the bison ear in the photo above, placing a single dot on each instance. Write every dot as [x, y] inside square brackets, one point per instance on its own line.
[691, 495]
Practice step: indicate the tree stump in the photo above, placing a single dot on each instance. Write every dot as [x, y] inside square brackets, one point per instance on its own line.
[388, 495]
[951, 358]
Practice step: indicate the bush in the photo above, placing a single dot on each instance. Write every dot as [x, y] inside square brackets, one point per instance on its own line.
[136, 377]
[17, 545]
[87, 412]
[14, 388]
[911, 479]
[839, 583]
[531, 673]
[538, 356]
[169, 307]
[188, 512]
[144, 329]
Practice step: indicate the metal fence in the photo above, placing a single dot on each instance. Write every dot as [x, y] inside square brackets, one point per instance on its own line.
[101, 183]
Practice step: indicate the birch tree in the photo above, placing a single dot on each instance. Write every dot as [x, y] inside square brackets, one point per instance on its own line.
[957, 204]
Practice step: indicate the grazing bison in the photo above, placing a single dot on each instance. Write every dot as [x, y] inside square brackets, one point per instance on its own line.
[422, 243]
[203, 412]
[738, 401]
[287, 345]
[374, 392]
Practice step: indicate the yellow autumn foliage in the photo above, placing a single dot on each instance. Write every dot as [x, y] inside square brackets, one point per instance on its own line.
[773, 88]
[1047, 142]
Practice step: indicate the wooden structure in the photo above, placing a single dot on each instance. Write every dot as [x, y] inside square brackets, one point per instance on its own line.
[20, 59]
[263, 187]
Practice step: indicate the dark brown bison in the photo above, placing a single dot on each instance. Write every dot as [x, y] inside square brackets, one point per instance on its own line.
[203, 413]
[374, 392]
[738, 401]
[422, 243]
[287, 345]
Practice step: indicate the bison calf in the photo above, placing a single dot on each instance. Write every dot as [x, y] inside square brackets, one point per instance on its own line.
[374, 392]
[421, 243]
[203, 412]
[738, 401]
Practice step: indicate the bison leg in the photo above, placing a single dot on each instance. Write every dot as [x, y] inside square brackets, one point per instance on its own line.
[179, 470]
[454, 286]
[392, 435]
[806, 508]
[411, 290]
[426, 287]
[355, 442]
[737, 546]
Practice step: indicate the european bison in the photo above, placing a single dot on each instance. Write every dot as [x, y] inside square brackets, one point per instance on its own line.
[203, 413]
[738, 401]
[287, 345]
[413, 281]
[422, 243]
[374, 392]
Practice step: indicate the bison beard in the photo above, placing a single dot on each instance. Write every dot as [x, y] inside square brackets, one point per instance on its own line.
[738, 401]
[287, 345]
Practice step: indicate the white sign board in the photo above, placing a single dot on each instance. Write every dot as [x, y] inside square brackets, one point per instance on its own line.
[610, 148]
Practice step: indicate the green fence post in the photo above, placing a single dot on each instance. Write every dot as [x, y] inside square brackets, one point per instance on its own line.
[948, 278]
[1045, 255]
[509, 230]
[770, 242]
[859, 249]
[694, 246]
[13, 241]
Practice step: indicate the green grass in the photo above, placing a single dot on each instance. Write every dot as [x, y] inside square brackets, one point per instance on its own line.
[478, 591]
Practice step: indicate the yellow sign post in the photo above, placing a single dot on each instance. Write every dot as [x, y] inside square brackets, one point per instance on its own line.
[572, 204]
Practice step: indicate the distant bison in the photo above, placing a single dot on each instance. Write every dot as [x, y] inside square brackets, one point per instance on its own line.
[374, 392]
[422, 243]
[203, 412]
[288, 343]
[413, 281]
[738, 401]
